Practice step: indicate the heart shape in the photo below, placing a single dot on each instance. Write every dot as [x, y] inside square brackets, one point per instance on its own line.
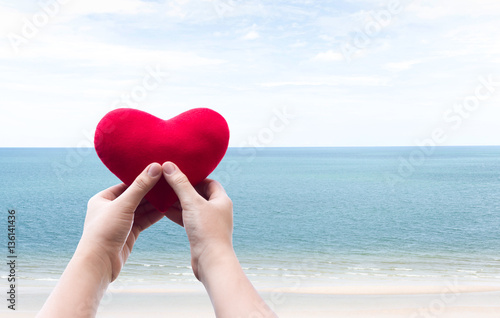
[128, 140]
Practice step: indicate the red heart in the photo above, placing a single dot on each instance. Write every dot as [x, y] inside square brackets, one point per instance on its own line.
[128, 140]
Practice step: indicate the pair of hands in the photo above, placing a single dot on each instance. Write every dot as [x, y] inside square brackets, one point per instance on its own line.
[117, 216]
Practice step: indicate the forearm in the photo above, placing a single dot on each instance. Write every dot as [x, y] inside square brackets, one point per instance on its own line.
[80, 288]
[230, 291]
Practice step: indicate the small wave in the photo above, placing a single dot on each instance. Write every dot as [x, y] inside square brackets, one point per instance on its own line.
[487, 276]
[186, 267]
[410, 275]
[415, 275]
[181, 274]
[364, 268]
[291, 275]
[183, 280]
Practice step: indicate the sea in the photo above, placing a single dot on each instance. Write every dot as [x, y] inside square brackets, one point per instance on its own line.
[302, 216]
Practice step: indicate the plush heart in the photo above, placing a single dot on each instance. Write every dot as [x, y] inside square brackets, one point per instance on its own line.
[128, 140]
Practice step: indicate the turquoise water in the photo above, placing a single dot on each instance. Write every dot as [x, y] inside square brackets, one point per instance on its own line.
[314, 215]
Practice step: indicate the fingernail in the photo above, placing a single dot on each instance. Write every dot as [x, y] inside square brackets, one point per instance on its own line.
[168, 168]
[154, 170]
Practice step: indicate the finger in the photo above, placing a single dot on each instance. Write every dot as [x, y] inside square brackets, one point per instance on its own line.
[145, 220]
[180, 184]
[134, 194]
[112, 192]
[144, 207]
[214, 190]
[175, 214]
[201, 188]
[146, 215]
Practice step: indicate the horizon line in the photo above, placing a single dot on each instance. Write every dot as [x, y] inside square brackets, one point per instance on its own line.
[266, 147]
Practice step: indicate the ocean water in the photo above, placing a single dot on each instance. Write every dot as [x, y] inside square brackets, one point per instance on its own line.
[303, 216]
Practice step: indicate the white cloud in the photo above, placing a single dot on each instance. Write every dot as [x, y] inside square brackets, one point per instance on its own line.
[252, 35]
[329, 56]
[402, 66]
[85, 7]
[333, 81]
[10, 18]
[298, 44]
[431, 9]
[97, 53]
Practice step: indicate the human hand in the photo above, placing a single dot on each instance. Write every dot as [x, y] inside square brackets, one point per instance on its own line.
[115, 217]
[207, 214]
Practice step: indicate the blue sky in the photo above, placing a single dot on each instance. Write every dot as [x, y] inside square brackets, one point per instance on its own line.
[352, 73]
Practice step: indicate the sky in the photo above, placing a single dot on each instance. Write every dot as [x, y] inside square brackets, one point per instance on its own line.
[282, 73]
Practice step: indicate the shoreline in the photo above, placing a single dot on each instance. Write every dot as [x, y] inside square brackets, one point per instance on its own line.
[343, 286]
[484, 305]
[410, 300]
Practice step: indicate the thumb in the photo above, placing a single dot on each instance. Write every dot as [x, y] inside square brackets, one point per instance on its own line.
[180, 184]
[132, 197]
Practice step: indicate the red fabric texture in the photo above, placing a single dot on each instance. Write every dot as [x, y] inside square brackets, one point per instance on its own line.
[128, 140]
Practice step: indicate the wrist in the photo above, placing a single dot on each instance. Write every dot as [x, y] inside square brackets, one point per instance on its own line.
[93, 262]
[215, 260]
[80, 288]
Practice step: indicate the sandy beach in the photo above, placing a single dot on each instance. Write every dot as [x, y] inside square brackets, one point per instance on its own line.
[415, 301]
